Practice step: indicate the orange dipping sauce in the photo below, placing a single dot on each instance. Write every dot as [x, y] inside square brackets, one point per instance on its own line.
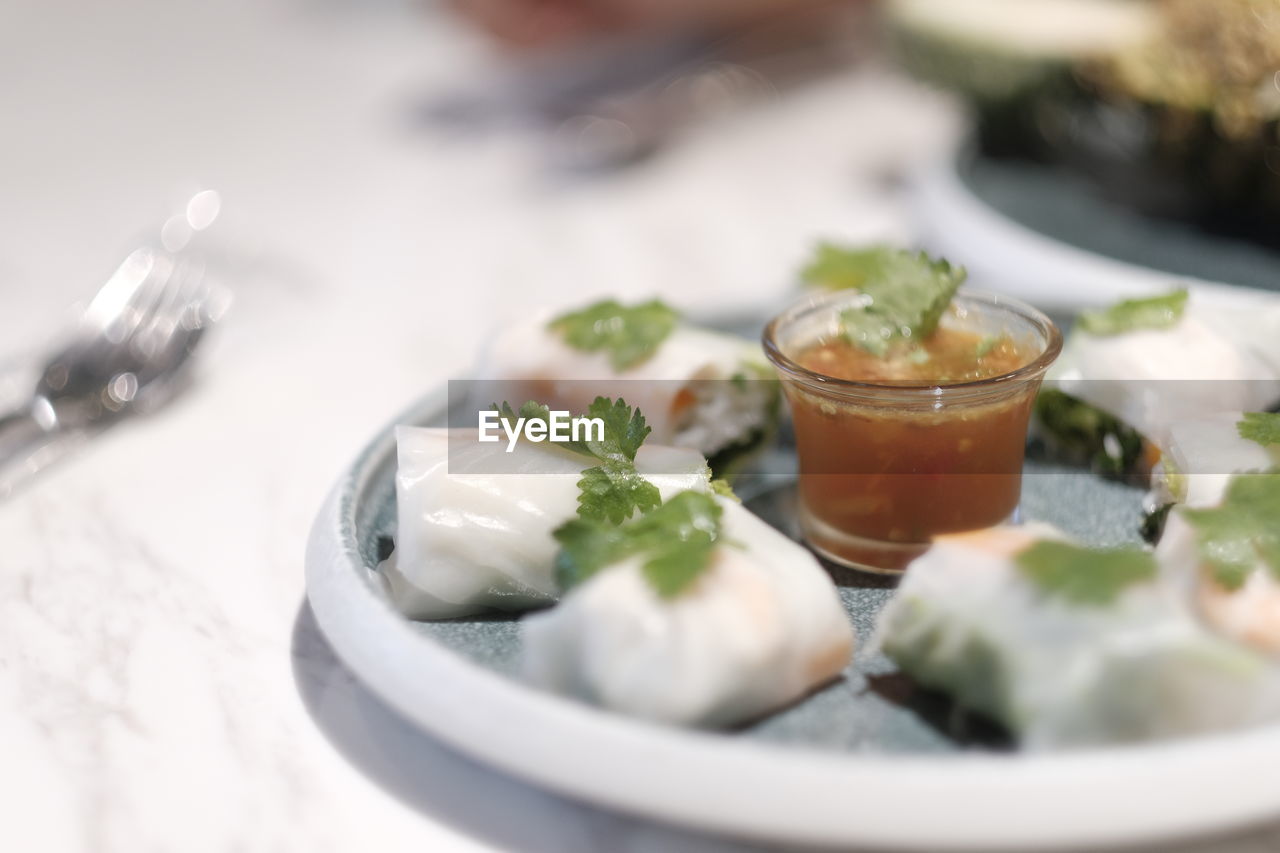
[926, 440]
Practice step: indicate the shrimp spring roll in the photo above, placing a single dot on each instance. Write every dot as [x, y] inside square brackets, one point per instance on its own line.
[1198, 457]
[697, 613]
[701, 389]
[1226, 559]
[1129, 372]
[1067, 645]
[475, 521]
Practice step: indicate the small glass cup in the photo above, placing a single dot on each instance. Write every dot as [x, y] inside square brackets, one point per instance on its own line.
[886, 467]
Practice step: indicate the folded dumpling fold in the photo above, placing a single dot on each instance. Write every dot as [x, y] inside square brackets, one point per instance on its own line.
[762, 626]
[1058, 673]
[475, 522]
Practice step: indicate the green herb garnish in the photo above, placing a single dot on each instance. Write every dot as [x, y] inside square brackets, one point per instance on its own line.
[676, 541]
[842, 268]
[1260, 427]
[1084, 576]
[630, 334]
[987, 344]
[613, 490]
[1156, 312]
[723, 489]
[1243, 531]
[905, 292]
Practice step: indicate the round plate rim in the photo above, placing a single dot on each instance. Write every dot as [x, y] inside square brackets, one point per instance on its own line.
[1050, 274]
[721, 783]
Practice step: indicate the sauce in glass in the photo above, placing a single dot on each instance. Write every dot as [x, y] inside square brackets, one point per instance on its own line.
[946, 357]
[927, 440]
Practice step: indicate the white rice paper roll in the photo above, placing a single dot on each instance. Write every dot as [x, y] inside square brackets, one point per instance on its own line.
[1217, 358]
[1199, 457]
[684, 389]
[762, 627]
[1248, 615]
[475, 522]
[1060, 675]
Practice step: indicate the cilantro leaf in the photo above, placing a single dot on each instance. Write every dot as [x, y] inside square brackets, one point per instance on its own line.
[1261, 427]
[533, 411]
[1084, 576]
[624, 429]
[586, 547]
[676, 539]
[1242, 532]
[905, 293]
[630, 334]
[613, 492]
[842, 268]
[1156, 312]
[674, 569]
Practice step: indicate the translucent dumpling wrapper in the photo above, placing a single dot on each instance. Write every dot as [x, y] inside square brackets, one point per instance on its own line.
[1199, 456]
[1060, 674]
[474, 522]
[758, 630]
[1249, 614]
[1215, 358]
[700, 389]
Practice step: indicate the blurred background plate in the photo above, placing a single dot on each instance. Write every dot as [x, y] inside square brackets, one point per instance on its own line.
[868, 760]
[1048, 235]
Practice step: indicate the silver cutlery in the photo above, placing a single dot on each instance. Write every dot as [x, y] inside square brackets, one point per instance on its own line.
[129, 353]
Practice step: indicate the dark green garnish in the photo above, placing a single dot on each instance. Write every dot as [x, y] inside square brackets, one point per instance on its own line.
[676, 541]
[1261, 427]
[613, 490]
[629, 334]
[905, 292]
[1079, 432]
[1084, 576]
[1243, 531]
[1153, 524]
[1156, 312]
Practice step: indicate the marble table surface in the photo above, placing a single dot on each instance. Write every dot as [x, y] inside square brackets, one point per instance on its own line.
[163, 685]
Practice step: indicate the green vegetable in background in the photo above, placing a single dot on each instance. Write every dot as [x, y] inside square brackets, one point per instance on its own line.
[629, 334]
[1090, 435]
[1131, 315]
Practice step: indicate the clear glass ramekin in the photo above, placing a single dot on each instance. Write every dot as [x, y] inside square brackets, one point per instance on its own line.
[886, 467]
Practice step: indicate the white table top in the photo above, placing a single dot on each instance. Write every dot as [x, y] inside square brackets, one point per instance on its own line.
[162, 685]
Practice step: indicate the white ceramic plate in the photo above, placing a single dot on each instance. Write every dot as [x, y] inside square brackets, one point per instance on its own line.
[740, 783]
[1046, 263]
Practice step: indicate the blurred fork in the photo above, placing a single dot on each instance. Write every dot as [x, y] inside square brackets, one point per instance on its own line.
[128, 354]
